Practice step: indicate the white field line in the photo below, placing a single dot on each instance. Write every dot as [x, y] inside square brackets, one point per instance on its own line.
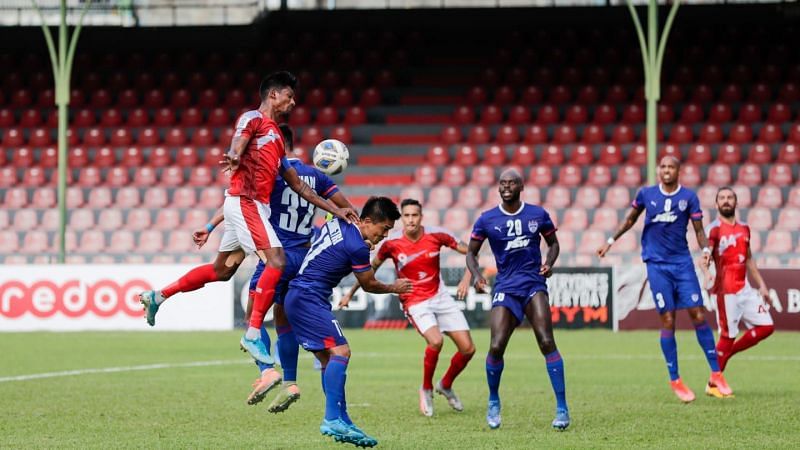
[78, 372]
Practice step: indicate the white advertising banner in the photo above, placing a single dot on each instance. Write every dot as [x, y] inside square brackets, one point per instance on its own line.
[105, 297]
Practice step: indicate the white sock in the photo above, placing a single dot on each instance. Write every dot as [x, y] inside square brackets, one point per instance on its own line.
[159, 298]
[252, 333]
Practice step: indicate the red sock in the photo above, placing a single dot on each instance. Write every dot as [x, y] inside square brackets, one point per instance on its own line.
[429, 366]
[265, 291]
[457, 364]
[752, 337]
[724, 351]
[193, 280]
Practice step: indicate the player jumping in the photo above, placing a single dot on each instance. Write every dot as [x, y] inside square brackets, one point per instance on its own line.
[514, 230]
[341, 248]
[255, 159]
[737, 301]
[668, 208]
[415, 252]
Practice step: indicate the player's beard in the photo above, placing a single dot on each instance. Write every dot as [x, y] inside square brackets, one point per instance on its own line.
[727, 212]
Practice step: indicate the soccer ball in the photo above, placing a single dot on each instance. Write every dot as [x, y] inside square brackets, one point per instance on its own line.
[330, 156]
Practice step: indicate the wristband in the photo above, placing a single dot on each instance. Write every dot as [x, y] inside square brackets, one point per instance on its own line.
[706, 250]
[610, 241]
[209, 227]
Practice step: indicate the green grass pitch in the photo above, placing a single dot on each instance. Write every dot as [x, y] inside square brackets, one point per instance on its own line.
[616, 387]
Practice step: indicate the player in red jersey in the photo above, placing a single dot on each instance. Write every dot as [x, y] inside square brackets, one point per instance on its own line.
[737, 301]
[415, 252]
[256, 156]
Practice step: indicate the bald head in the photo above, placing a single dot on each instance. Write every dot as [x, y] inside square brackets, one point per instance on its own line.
[670, 159]
[510, 187]
[668, 170]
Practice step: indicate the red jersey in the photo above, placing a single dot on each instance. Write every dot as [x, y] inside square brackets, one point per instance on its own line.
[418, 261]
[260, 162]
[729, 244]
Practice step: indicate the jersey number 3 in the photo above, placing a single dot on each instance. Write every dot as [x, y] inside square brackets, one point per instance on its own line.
[290, 220]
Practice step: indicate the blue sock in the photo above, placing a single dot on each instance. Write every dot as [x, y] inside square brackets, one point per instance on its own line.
[705, 337]
[322, 378]
[288, 351]
[335, 374]
[555, 368]
[268, 344]
[343, 407]
[670, 349]
[494, 370]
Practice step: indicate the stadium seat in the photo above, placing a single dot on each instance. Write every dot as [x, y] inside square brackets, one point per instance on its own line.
[35, 242]
[179, 99]
[570, 175]
[519, 115]
[610, 155]
[581, 155]
[547, 115]
[680, 134]
[690, 175]
[729, 154]
[117, 177]
[507, 134]
[575, 219]
[494, 155]
[778, 242]
[627, 243]
[710, 133]
[699, 154]
[770, 197]
[127, 197]
[456, 219]
[491, 115]
[780, 174]
[22, 157]
[150, 241]
[13, 137]
[743, 194]
[707, 195]
[564, 134]
[590, 241]
[634, 114]
[121, 241]
[172, 176]
[431, 218]
[552, 155]
[33, 177]
[136, 118]
[132, 157]
[557, 197]
[535, 134]
[629, 175]
[759, 154]
[560, 94]
[9, 242]
[167, 219]
[74, 197]
[720, 113]
[100, 99]
[30, 118]
[740, 134]
[211, 198]
[788, 220]
[137, 219]
[605, 114]
[749, 113]
[593, 134]
[327, 116]
[355, 115]
[483, 175]
[186, 157]
[691, 113]
[179, 242]
[370, 97]
[622, 134]
[779, 113]
[759, 219]
[50, 220]
[540, 176]
[99, 197]
[425, 175]
[81, 219]
[121, 137]
[437, 155]
[412, 192]
[719, 174]
[749, 175]
[454, 176]
[469, 196]
[7, 119]
[466, 155]
[39, 137]
[478, 135]
[148, 136]
[576, 115]
[191, 117]
[617, 197]
[213, 155]
[439, 197]
[770, 134]
[605, 219]
[523, 155]
[24, 220]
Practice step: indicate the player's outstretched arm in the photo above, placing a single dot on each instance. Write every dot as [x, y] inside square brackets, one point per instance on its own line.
[230, 161]
[473, 266]
[755, 275]
[702, 241]
[304, 190]
[341, 201]
[200, 235]
[376, 263]
[553, 250]
[368, 281]
[627, 224]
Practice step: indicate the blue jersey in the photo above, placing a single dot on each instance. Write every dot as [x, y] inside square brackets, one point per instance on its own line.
[338, 250]
[665, 221]
[291, 216]
[514, 238]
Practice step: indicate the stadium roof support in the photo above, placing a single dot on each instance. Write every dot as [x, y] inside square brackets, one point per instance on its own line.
[652, 58]
[61, 60]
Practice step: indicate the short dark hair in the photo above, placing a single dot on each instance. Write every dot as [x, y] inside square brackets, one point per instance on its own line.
[288, 136]
[277, 80]
[727, 188]
[380, 209]
[411, 202]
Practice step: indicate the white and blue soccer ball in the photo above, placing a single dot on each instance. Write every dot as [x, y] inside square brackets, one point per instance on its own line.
[330, 156]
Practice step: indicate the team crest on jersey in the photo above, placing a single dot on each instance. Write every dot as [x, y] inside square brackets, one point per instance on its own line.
[682, 205]
[533, 226]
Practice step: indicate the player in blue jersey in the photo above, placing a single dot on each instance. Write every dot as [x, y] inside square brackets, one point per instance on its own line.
[514, 231]
[340, 249]
[292, 219]
[668, 208]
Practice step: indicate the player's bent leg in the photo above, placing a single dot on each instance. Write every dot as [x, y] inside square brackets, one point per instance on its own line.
[459, 361]
[538, 313]
[274, 261]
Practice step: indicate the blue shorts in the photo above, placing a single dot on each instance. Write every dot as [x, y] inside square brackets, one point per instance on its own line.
[674, 286]
[516, 303]
[294, 259]
[314, 325]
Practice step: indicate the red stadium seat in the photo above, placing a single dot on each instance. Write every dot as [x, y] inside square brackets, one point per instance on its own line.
[127, 197]
[750, 113]
[74, 197]
[327, 115]
[703, 93]
[425, 176]
[532, 95]
[691, 113]
[132, 157]
[731, 93]
[610, 155]
[530, 195]
[128, 98]
[150, 241]
[155, 197]
[77, 158]
[191, 117]
[617, 197]
[788, 219]
[355, 115]
[575, 219]
[89, 177]
[440, 197]
[535, 134]
[780, 174]
[154, 98]
[759, 154]
[729, 154]
[311, 136]
[794, 133]
[144, 177]
[707, 195]
[179, 99]
[99, 197]
[13, 137]
[770, 134]
[491, 115]
[605, 219]
[633, 114]
[504, 95]
[740, 134]
[599, 176]
[33, 177]
[94, 137]
[39, 137]
[159, 157]
[670, 150]
[121, 241]
[184, 197]
[138, 219]
[588, 95]
[22, 157]
[235, 99]
[437, 155]
[479, 134]
[553, 155]
[454, 176]
[92, 241]
[523, 155]
[581, 155]
[24, 220]
[476, 95]
[629, 175]
[7, 118]
[464, 115]
[342, 97]
[148, 136]
[749, 175]
[343, 134]
[207, 98]
[576, 115]
[202, 137]
[616, 94]
[164, 117]
[81, 219]
[211, 198]
[778, 242]
[507, 134]
[121, 137]
[605, 114]
[178, 242]
[720, 113]
[482, 175]
[699, 154]
[743, 194]
[761, 93]
[759, 219]
[15, 197]
[587, 197]
[136, 118]
[30, 118]
[117, 177]
[779, 112]
[569, 175]
[48, 158]
[690, 175]
[495, 155]
[167, 219]
[680, 134]
[100, 99]
[469, 196]
[673, 94]
[710, 134]
[370, 97]
[769, 197]
[172, 176]
[547, 115]
[560, 94]
[719, 174]
[187, 157]
[665, 113]
[593, 134]
[557, 197]
[456, 219]
[540, 176]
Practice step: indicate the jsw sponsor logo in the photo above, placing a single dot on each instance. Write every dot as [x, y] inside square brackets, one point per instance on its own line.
[665, 217]
[518, 242]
